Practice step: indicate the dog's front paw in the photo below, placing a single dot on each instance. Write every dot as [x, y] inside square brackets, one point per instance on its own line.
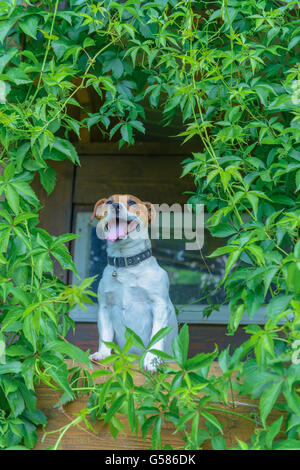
[151, 362]
[99, 355]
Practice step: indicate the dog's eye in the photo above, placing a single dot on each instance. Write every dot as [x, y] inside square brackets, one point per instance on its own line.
[131, 203]
[109, 202]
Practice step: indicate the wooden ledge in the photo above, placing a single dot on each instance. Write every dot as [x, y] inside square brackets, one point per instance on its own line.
[80, 439]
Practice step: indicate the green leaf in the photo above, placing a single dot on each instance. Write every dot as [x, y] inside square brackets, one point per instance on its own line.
[25, 191]
[293, 276]
[12, 198]
[297, 179]
[29, 331]
[180, 346]
[22, 235]
[63, 257]
[16, 402]
[287, 444]
[114, 408]
[222, 251]
[28, 397]
[254, 300]
[232, 259]
[188, 167]
[257, 252]
[57, 370]
[30, 434]
[101, 373]
[272, 432]
[36, 417]
[48, 179]
[268, 276]
[65, 238]
[73, 352]
[116, 67]
[138, 125]
[9, 171]
[293, 42]
[147, 425]
[29, 25]
[131, 413]
[156, 433]
[60, 46]
[136, 339]
[187, 416]
[28, 371]
[5, 27]
[162, 354]
[4, 239]
[222, 231]
[18, 350]
[66, 148]
[13, 367]
[104, 391]
[236, 317]
[11, 317]
[159, 336]
[7, 56]
[212, 419]
[200, 360]
[268, 399]
[126, 133]
[218, 443]
[195, 426]
[254, 203]
[278, 305]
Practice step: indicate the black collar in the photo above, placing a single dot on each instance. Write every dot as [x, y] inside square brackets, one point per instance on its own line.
[122, 262]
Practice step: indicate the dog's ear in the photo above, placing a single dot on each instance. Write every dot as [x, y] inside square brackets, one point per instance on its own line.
[151, 212]
[98, 203]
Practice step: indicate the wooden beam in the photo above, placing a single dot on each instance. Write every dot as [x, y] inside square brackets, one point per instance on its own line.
[140, 148]
[152, 178]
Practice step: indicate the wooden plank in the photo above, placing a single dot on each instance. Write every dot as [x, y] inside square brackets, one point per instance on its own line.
[154, 178]
[168, 147]
[203, 338]
[79, 439]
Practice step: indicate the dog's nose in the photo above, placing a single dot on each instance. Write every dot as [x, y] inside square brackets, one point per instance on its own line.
[116, 206]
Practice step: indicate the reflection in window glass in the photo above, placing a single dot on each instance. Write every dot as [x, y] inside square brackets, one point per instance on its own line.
[193, 276]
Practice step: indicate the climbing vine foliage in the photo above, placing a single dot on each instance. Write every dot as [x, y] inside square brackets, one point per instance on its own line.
[231, 70]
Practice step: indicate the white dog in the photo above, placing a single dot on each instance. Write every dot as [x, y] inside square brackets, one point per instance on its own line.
[134, 289]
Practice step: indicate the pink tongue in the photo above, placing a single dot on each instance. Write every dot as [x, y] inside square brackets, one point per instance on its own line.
[116, 231]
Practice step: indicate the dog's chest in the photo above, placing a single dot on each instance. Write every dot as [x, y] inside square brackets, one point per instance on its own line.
[125, 289]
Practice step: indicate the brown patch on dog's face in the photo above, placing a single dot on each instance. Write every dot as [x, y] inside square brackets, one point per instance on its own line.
[144, 210]
[98, 209]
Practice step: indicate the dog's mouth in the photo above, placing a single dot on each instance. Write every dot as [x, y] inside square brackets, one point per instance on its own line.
[117, 228]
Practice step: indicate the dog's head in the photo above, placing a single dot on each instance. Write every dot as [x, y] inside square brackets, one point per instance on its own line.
[121, 216]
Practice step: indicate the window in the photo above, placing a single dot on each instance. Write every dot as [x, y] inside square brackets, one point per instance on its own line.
[193, 276]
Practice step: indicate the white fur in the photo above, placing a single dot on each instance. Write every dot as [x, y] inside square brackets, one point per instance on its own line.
[137, 298]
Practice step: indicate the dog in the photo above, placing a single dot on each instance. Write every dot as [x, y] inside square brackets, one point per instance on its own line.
[134, 290]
